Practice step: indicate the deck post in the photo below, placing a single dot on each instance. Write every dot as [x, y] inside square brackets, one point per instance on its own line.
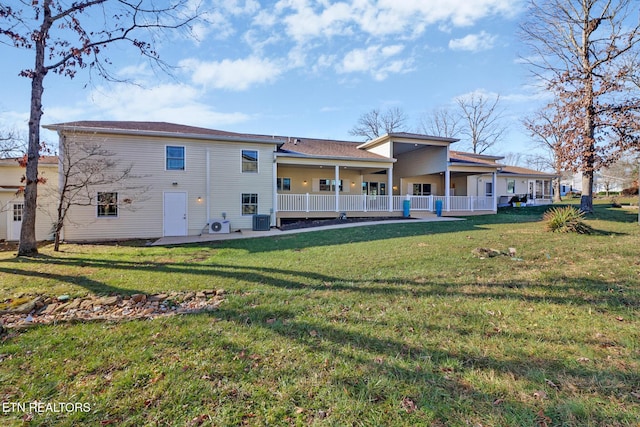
[337, 189]
[447, 183]
[390, 188]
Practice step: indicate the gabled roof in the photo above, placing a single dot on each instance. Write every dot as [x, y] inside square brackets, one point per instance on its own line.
[308, 147]
[160, 129]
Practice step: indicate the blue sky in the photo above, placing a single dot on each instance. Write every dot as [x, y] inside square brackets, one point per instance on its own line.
[305, 68]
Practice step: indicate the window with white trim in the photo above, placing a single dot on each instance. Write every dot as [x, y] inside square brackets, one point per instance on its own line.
[488, 189]
[108, 205]
[249, 203]
[421, 189]
[283, 184]
[249, 161]
[174, 158]
[330, 185]
[511, 186]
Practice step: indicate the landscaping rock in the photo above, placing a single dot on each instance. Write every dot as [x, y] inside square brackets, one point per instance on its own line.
[139, 297]
[30, 306]
[110, 308]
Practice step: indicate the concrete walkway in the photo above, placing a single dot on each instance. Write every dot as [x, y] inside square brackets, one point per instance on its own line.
[274, 232]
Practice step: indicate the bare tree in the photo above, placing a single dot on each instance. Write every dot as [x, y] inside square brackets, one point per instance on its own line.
[440, 122]
[548, 128]
[10, 145]
[67, 36]
[374, 124]
[481, 120]
[580, 51]
[86, 166]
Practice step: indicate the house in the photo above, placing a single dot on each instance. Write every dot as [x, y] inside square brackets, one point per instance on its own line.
[12, 199]
[199, 180]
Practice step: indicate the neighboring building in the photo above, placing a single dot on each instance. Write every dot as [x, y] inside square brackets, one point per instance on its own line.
[195, 178]
[12, 198]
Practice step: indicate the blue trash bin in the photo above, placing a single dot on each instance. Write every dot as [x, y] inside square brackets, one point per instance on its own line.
[406, 208]
[438, 207]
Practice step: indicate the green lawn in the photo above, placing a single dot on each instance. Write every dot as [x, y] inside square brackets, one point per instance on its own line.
[396, 325]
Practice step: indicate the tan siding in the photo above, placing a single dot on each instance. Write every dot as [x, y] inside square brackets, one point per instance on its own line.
[144, 217]
[47, 197]
[421, 162]
[351, 179]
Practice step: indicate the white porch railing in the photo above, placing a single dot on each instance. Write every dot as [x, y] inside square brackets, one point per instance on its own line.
[366, 203]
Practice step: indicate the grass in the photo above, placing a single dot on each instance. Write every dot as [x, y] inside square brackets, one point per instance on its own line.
[385, 325]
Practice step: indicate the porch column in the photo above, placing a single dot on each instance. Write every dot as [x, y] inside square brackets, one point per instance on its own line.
[337, 189]
[275, 191]
[447, 184]
[494, 176]
[390, 188]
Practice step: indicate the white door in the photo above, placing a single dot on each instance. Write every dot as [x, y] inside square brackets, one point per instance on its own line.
[15, 220]
[175, 214]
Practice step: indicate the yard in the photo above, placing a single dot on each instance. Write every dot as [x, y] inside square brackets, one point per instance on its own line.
[398, 325]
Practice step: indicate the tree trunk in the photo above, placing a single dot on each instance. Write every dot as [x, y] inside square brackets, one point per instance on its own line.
[586, 201]
[557, 197]
[28, 243]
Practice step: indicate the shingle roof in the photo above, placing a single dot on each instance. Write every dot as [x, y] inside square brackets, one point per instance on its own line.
[460, 156]
[327, 148]
[158, 127]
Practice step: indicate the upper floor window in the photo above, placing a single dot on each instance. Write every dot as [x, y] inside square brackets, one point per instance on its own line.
[175, 158]
[249, 161]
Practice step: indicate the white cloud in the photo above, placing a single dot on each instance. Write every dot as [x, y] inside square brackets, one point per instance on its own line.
[177, 103]
[474, 42]
[305, 20]
[239, 74]
[376, 60]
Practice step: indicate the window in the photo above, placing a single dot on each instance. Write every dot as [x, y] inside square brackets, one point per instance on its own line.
[488, 189]
[284, 184]
[249, 203]
[511, 186]
[107, 205]
[249, 161]
[330, 185]
[18, 209]
[421, 189]
[175, 158]
[374, 188]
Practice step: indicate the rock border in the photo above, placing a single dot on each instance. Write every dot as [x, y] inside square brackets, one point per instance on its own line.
[43, 310]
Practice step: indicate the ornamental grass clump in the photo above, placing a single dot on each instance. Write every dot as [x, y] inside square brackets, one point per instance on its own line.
[566, 220]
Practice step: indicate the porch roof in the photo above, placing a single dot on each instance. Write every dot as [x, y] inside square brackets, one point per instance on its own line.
[328, 149]
[518, 171]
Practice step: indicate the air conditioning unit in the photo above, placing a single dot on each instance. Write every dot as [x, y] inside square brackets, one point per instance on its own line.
[219, 226]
